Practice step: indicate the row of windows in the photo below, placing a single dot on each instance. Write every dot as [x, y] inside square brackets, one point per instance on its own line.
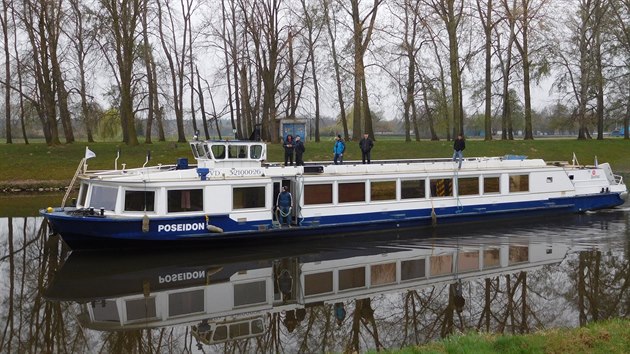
[409, 189]
[384, 274]
[218, 152]
[185, 200]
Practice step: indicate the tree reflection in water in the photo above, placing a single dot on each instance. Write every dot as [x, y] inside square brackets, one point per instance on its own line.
[590, 284]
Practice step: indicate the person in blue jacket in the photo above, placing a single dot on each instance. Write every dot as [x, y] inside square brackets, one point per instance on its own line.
[338, 150]
[284, 205]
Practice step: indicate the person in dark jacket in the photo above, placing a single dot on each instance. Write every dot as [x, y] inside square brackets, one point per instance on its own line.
[299, 151]
[366, 145]
[338, 150]
[284, 205]
[458, 146]
[288, 150]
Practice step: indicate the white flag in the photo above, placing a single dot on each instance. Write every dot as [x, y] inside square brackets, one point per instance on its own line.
[89, 153]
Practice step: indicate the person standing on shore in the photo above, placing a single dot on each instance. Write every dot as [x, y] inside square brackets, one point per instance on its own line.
[458, 146]
[288, 150]
[299, 151]
[338, 150]
[366, 144]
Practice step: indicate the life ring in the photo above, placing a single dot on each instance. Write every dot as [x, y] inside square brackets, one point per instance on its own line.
[593, 172]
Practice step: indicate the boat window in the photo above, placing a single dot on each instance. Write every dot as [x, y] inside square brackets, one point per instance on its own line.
[220, 333]
[185, 302]
[318, 283]
[442, 187]
[468, 186]
[352, 278]
[441, 265]
[201, 150]
[82, 194]
[255, 151]
[351, 192]
[218, 151]
[519, 183]
[238, 151]
[412, 269]
[317, 194]
[103, 197]
[491, 185]
[239, 330]
[182, 200]
[491, 258]
[105, 311]
[467, 261]
[248, 197]
[381, 274]
[139, 201]
[412, 189]
[518, 254]
[383, 190]
[250, 293]
[257, 326]
[141, 309]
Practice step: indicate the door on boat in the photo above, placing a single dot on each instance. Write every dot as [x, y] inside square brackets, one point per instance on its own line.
[277, 188]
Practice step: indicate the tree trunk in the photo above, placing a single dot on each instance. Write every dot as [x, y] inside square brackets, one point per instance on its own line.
[342, 107]
[7, 74]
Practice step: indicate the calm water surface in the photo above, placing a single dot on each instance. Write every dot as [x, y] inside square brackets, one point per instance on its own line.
[332, 295]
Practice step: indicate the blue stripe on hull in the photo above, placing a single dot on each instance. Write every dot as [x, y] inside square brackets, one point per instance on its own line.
[93, 232]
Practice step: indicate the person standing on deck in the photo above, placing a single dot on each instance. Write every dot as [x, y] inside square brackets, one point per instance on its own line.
[288, 150]
[458, 146]
[299, 151]
[338, 150]
[284, 205]
[366, 145]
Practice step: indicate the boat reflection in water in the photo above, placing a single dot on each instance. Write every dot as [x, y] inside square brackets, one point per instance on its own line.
[227, 295]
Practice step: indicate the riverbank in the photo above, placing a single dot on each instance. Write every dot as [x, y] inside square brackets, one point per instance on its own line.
[603, 337]
[37, 167]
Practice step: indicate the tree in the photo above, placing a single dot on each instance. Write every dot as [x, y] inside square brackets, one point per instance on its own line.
[120, 22]
[83, 42]
[451, 14]
[4, 22]
[336, 66]
[313, 31]
[488, 26]
[530, 12]
[362, 29]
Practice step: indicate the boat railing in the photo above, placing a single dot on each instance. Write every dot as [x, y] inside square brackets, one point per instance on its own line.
[618, 179]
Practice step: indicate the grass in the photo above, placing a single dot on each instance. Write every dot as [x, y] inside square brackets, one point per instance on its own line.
[611, 336]
[39, 162]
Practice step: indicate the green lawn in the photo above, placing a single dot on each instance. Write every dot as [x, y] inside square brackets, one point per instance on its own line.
[44, 163]
[606, 337]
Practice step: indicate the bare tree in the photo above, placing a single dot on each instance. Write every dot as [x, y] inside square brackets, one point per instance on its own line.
[83, 42]
[123, 19]
[621, 32]
[362, 29]
[488, 26]
[451, 13]
[175, 53]
[313, 31]
[335, 58]
[4, 22]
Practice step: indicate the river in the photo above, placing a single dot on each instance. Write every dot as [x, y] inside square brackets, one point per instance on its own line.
[378, 290]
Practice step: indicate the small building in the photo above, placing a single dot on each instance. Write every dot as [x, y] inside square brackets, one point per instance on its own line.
[293, 127]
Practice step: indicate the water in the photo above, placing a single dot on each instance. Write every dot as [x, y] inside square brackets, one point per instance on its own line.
[332, 295]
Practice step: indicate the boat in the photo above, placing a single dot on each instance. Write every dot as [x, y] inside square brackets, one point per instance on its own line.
[231, 193]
